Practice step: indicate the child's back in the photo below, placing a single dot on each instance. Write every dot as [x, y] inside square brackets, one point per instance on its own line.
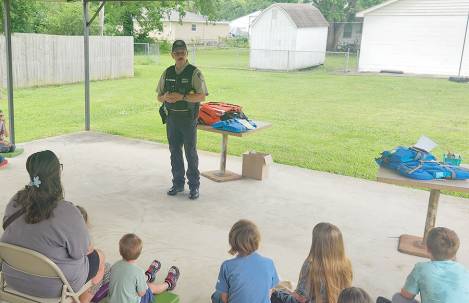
[439, 281]
[126, 280]
[247, 278]
[129, 283]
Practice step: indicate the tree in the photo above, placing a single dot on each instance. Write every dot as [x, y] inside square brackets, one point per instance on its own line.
[64, 19]
[232, 9]
[364, 4]
[130, 18]
[341, 11]
[26, 16]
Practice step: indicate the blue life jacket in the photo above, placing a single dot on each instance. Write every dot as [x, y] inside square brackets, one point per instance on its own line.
[233, 125]
[419, 164]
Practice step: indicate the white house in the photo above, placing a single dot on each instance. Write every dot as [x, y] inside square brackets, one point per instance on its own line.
[415, 36]
[240, 27]
[288, 36]
[192, 27]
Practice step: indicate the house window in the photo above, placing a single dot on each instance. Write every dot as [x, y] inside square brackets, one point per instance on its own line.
[359, 28]
[194, 27]
[348, 31]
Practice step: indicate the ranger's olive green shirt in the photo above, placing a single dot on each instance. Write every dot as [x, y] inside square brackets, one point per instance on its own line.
[198, 81]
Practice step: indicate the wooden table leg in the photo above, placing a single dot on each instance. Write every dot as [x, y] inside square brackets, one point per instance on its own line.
[222, 175]
[414, 245]
[224, 152]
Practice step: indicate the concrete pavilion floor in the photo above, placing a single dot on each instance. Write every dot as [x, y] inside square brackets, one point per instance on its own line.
[123, 182]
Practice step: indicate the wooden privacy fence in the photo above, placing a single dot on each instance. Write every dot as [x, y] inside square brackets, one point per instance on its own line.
[49, 59]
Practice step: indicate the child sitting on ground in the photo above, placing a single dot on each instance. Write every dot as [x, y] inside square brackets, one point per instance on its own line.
[5, 146]
[84, 214]
[101, 289]
[325, 272]
[129, 283]
[441, 279]
[249, 277]
[354, 295]
[3, 162]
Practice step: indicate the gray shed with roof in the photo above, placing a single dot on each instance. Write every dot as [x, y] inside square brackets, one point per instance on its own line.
[288, 36]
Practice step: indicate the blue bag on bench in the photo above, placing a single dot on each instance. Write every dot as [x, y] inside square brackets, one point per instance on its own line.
[419, 164]
[233, 125]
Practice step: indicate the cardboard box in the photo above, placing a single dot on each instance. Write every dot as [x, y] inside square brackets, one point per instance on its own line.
[256, 165]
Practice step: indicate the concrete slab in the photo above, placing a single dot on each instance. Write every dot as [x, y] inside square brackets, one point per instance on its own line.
[123, 182]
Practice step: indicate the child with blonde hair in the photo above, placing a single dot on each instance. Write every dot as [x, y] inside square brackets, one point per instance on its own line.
[129, 283]
[325, 272]
[248, 277]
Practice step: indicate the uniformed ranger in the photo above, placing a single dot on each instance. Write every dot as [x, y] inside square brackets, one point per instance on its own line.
[181, 89]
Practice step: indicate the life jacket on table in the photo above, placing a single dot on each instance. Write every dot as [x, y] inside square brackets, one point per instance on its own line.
[419, 164]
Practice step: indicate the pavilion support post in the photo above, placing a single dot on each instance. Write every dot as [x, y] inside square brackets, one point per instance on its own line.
[86, 37]
[9, 65]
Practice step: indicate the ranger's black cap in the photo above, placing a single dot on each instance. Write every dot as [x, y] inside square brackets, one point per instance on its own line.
[178, 44]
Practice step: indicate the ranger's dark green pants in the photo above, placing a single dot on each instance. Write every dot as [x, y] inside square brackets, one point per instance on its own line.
[181, 129]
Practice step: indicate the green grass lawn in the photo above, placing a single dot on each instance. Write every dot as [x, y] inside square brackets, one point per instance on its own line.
[323, 121]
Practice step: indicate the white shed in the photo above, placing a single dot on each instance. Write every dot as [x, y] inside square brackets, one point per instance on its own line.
[415, 36]
[288, 36]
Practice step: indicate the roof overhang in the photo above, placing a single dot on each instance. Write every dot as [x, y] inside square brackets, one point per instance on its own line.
[374, 8]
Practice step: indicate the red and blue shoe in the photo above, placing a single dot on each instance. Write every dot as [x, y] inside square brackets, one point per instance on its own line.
[152, 270]
[172, 277]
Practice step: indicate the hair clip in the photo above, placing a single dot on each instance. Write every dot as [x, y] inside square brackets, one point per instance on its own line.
[35, 182]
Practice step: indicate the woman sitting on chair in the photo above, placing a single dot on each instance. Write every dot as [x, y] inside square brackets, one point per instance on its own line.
[38, 218]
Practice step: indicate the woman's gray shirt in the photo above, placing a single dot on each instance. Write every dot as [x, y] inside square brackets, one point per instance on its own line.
[63, 238]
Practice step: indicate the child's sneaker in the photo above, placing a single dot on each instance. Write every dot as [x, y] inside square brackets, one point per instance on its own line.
[152, 270]
[172, 277]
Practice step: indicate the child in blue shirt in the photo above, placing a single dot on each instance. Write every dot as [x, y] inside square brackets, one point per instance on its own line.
[440, 280]
[248, 277]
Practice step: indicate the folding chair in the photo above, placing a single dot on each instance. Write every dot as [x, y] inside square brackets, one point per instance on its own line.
[34, 264]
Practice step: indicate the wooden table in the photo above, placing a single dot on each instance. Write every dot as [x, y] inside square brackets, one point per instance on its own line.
[223, 175]
[414, 245]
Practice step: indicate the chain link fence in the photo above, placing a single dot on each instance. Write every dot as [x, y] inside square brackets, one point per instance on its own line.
[147, 52]
[240, 57]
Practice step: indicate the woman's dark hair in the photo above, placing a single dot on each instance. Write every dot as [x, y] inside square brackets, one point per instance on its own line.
[39, 202]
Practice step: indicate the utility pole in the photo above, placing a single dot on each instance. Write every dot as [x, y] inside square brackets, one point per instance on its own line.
[463, 46]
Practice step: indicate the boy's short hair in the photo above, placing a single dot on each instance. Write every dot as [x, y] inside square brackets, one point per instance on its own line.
[442, 243]
[130, 247]
[244, 238]
[354, 295]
